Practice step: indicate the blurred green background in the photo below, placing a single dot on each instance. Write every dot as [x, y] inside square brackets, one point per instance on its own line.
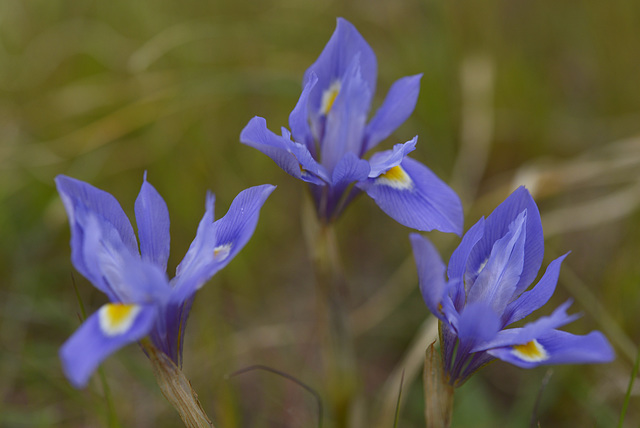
[541, 93]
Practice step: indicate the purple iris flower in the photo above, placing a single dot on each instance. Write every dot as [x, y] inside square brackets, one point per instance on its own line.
[488, 277]
[330, 135]
[144, 302]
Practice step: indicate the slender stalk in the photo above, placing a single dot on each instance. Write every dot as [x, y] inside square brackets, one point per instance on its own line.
[398, 402]
[438, 393]
[534, 414]
[176, 388]
[336, 338]
[292, 379]
[627, 397]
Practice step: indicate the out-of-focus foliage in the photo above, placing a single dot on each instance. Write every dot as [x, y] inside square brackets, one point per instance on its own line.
[541, 93]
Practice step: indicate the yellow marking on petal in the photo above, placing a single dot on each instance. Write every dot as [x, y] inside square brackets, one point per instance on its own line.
[396, 177]
[531, 352]
[329, 97]
[117, 318]
[221, 252]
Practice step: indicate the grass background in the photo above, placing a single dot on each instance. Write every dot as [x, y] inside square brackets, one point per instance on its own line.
[541, 93]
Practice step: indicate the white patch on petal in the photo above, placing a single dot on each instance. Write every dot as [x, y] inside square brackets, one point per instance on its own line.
[329, 97]
[482, 265]
[531, 352]
[395, 177]
[117, 318]
[221, 252]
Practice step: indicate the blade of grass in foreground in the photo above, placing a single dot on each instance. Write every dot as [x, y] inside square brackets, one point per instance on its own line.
[627, 397]
[395, 422]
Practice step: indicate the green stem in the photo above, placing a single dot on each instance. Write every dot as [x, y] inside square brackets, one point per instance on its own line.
[634, 374]
[112, 419]
[336, 338]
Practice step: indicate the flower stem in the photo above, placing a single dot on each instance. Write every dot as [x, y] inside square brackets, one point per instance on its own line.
[176, 388]
[438, 393]
[336, 339]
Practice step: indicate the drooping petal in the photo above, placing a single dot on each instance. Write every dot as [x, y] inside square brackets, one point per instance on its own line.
[346, 118]
[152, 217]
[430, 273]
[293, 158]
[414, 196]
[335, 59]
[113, 326]
[478, 323]
[349, 169]
[215, 245]
[299, 117]
[496, 283]
[540, 327]
[80, 196]
[497, 226]
[558, 347]
[382, 162]
[396, 108]
[535, 298]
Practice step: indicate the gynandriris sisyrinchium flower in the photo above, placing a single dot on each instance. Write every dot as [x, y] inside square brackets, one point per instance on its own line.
[330, 135]
[143, 300]
[488, 277]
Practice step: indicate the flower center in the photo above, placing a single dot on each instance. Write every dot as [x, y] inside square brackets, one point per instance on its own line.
[329, 97]
[117, 318]
[532, 352]
[396, 177]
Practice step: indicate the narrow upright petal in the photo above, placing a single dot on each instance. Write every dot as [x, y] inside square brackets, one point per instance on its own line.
[80, 198]
[337, 55]
[346, 119]
[535, 298]
[123, 276]
[496, 283]
[497, 226]
[113, 326]
[236, 227]
[414, 196]
[152, 217]
[458, 262]
[396, 108]
[216, 244]
[299, 117]
[200, 252]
